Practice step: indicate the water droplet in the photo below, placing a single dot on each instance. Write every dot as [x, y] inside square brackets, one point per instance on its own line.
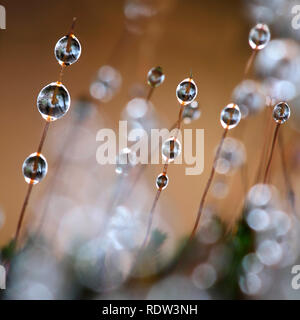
[191, 112]
[248, 96]
[204, 276]
[34, 168]
[231, 157]
[126, 160]
[162, 181]
[155, 77]
[281, 112]
[230, 116]
[53, 101]
[259, 36]
[171, 149]
[107, 84]
[259, 195]
[137, 108]
[186, 91]
[67, 50]
[258, 219]
[269, 252]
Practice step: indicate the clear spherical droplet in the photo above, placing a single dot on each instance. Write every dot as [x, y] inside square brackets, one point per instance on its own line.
[186, 91]
[162, 181]
[67, 50]
[34, 168]
[53, 101]
[281, 112]
[126, 160]
[191, 112]
[155, 77]
[259, 36]
[171, 149]
[230, 116]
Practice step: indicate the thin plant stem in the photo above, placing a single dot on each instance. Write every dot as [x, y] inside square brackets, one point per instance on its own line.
[41, 144]
[29, 190]
[264, 151]
[288, 183]
[150, 93]
[208, 184]
[66, 146]
[250, 62]
[141, 170]
[158, 193]
[275, 135]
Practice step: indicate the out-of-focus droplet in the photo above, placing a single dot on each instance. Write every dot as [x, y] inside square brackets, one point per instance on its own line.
[250, 284]
[171, 149]
[162, 181]
[279, 90]
[281, 112]
[230, 116]
[259, 36]
[137, 108]
[134, 10]
[232, 156]
[186, 91]
[280, 60]
[259, 195]
[67, 50]
[251, 264]
[258, 219]
[248, 96]
[53, 101]
[204, 276]
[126, 160]
[107, 84]
[210, 230]
[191, 112]
[280, 222]
[155, 77]
[35, 168]
[220, 189]
[269, 252]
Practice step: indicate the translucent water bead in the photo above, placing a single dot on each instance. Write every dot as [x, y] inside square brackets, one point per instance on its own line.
[155, 77]
[67, 50]
[34, 168]
[186, 91]
[259, 36]
[281, 112]
[230, 116]
[162, 181]
[53, 101]
[171, 149]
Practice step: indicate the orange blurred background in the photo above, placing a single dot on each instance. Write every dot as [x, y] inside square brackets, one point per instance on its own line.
[209, 37]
